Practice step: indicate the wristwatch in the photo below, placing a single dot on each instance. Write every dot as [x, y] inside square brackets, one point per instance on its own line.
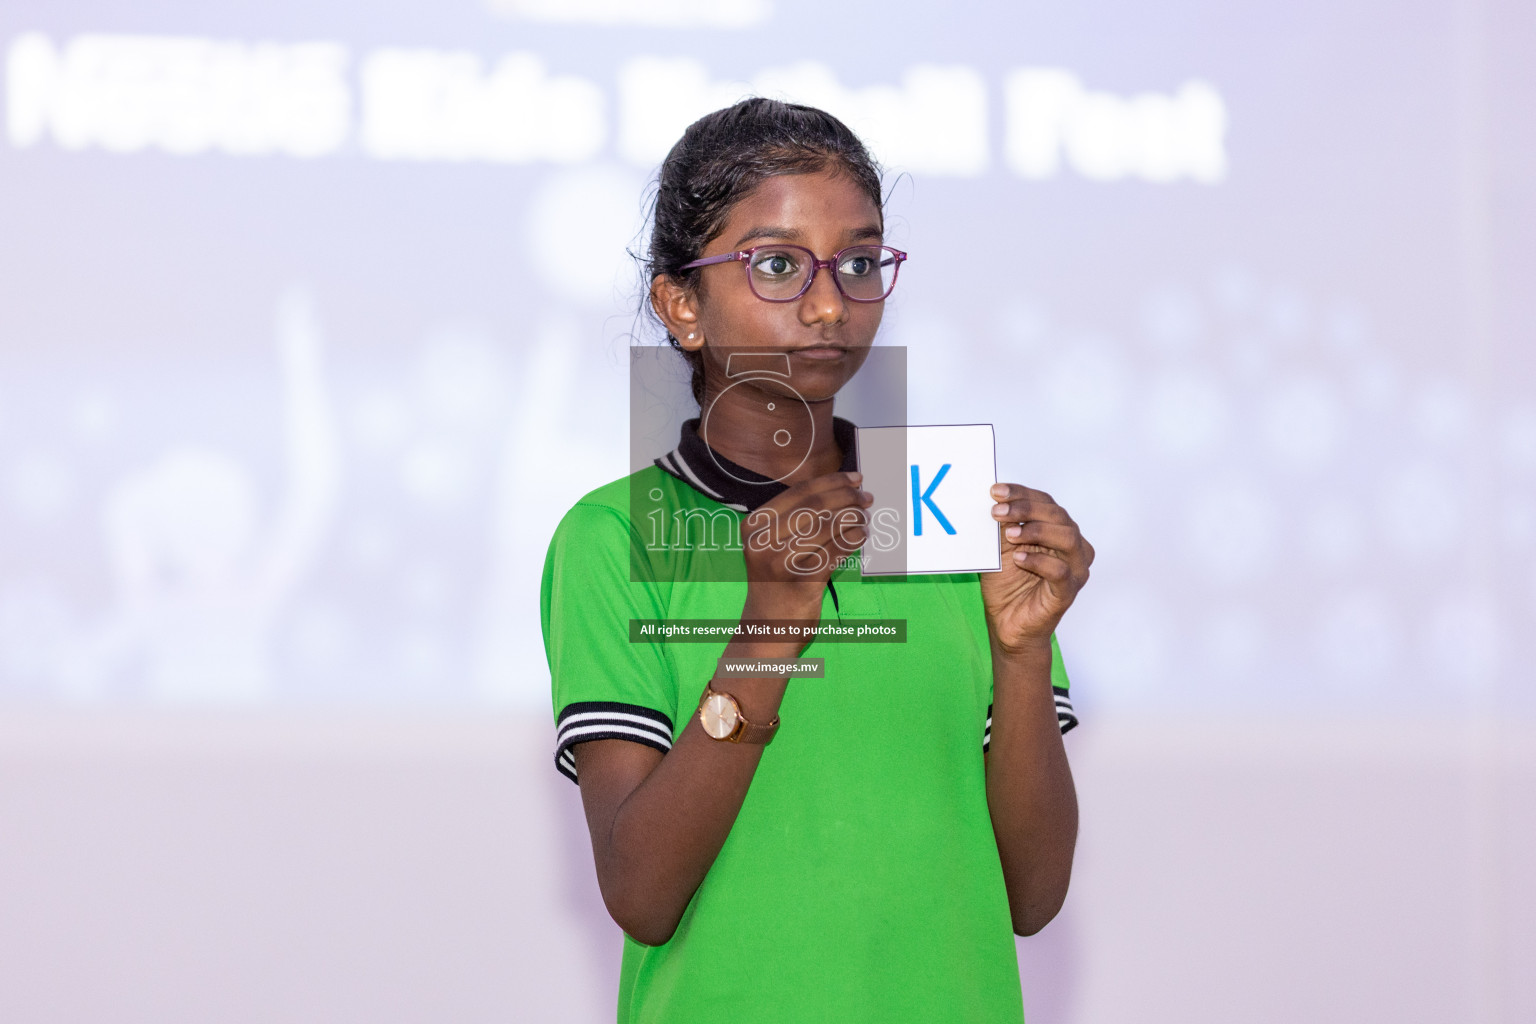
[721, 718]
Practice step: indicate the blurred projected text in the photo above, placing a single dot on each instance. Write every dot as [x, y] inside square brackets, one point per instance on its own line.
[189, 96]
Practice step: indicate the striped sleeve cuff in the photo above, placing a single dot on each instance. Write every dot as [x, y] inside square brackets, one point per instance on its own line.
[1066, 718]
[607, 720]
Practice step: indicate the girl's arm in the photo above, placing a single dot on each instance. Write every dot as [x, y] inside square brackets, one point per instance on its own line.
[1029, 787]
[1029, 783]
[658, 821]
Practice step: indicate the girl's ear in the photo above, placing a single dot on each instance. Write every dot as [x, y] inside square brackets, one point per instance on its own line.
[676, 306]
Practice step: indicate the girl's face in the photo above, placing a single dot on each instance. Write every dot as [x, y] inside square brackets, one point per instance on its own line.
[825, 336]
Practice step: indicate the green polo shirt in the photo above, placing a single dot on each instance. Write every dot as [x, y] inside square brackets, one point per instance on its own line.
[861, 880]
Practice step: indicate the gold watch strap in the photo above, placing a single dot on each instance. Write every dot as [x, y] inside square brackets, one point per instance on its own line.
[760, 734]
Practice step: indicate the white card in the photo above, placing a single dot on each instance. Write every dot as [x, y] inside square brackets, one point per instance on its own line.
[933, 503]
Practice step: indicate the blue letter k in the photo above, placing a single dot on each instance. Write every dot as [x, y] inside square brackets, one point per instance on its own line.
[921, 497]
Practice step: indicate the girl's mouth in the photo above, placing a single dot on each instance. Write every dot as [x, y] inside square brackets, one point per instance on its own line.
[821, 352]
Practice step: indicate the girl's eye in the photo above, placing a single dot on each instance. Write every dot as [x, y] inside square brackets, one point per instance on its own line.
[857, 266]
[774, 264]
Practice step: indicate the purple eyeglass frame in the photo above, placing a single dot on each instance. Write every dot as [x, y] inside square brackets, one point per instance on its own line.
[744, 256]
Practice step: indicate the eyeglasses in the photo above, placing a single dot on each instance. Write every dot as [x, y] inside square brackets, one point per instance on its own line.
[783, 273]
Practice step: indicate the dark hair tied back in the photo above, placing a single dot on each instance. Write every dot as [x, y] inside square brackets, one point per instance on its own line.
[721, 158]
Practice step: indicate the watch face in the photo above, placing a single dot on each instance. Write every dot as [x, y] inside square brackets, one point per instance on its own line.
[718, 715]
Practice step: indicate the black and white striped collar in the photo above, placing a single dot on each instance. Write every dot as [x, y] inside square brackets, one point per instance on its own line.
[713, 475]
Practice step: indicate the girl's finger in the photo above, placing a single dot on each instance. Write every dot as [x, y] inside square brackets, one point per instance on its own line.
[1046, 566]
[1064, 540]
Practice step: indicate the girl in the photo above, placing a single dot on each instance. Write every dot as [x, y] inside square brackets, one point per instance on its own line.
[857, 847]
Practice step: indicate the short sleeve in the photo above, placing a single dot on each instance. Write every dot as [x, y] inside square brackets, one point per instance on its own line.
[1066, 717]
[603, 686]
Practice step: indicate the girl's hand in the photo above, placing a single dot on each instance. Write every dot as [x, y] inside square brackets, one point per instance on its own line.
[1045, 563]
[792, 543]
